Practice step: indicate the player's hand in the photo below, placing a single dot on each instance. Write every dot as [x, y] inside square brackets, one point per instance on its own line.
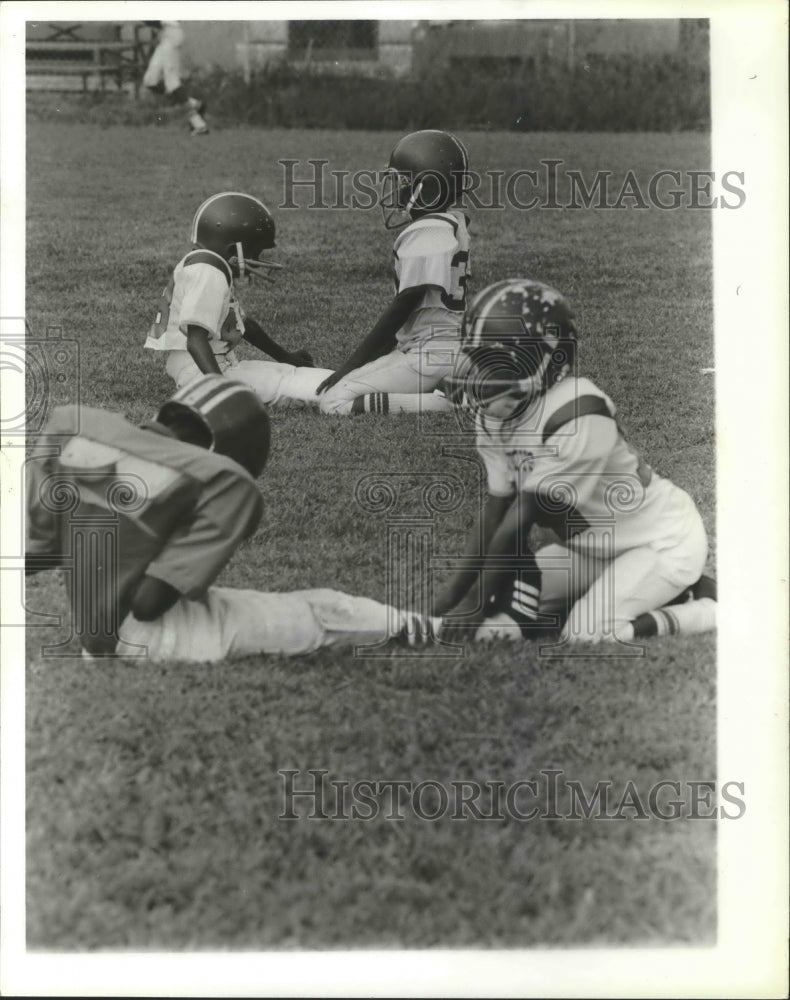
[333, 379]
[418, 630]
[301, 359]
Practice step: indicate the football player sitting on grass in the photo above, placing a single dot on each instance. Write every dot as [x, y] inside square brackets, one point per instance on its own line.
[145, 518]
[398, 366]
[199, 320]
[630, 545]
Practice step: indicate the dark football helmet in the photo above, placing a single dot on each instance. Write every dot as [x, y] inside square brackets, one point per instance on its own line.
[518, 339]
[216, 413]
[239, 228]
[427, 172]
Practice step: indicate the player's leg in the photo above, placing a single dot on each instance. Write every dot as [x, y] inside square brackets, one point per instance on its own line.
[398, 382]
[181, 368]
[230, 623]
[153, 78]
[190, 630]
[628, 600]
[279, 384]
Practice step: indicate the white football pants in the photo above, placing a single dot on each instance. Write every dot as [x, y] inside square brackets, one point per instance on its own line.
[605, 595]
[229, 623]
[164, 65]
[416, 371]
[275, 383]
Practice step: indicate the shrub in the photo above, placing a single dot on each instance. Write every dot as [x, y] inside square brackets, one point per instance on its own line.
[608, 94]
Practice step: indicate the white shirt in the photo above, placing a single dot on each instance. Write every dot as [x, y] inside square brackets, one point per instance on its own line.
[200, 293]
[434, 252]
[585, 475]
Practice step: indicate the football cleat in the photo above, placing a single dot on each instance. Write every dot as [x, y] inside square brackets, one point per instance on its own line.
[427, 172]
[239, 228]
[518, 339]
[221, 415]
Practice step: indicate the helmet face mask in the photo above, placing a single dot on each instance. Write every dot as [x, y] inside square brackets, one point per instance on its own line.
[427, 172]
[243, 265]
[239, 228]
[518, 340]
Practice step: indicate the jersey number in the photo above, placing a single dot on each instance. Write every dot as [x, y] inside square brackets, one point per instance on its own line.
[162, 317]
[456, 298]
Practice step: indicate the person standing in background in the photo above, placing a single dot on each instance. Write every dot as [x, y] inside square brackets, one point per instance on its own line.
[163, 74]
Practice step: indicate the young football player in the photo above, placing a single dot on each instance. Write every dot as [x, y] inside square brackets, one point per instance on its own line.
[143, 520]
[631, 545]
[163, 74]
[398, 366]
[199, 320]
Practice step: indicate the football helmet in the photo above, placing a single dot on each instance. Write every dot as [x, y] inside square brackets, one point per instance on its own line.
[220, 415]
[518, 339]
[426, 173]
[239, 228]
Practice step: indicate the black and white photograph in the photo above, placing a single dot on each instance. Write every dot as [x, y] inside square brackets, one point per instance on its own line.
[394, 440]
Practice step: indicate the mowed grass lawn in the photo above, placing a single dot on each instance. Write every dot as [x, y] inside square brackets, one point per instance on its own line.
[153, 792]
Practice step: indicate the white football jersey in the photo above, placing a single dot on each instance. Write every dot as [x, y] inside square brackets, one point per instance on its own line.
[433, 252]
[569, 452]
[200, 293]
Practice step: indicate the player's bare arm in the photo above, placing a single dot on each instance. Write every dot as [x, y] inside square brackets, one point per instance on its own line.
[199, 347]
[255, 334]
[509, 539]
[481, 532]
[381, 338]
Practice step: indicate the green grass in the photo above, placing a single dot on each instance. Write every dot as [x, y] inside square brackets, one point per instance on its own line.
[153, 793]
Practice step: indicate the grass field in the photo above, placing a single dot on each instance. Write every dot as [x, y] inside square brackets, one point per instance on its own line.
[153, 792]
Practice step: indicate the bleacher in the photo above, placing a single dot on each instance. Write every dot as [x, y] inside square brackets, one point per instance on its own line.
[69, 55]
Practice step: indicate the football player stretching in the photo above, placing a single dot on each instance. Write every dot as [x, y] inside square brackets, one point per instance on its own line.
[143, 520]
[630, 545]
[199, 320]
[412, 346]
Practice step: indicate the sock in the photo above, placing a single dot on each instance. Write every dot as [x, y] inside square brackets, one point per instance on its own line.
[401, 402]
[514, 611]
[372, 402]
[687, 619]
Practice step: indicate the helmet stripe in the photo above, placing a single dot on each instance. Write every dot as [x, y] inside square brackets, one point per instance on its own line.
[233, 389]
[198, 392]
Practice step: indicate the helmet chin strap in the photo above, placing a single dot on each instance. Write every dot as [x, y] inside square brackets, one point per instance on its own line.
[240, 259]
